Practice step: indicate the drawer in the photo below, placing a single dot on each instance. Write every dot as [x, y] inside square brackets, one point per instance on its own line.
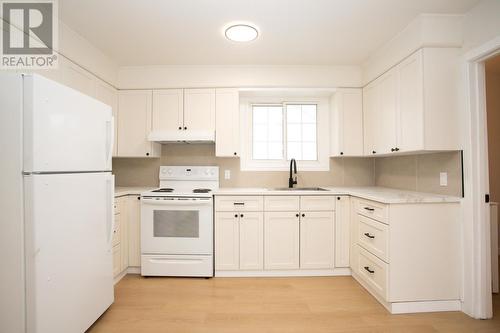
[281, 203]
[116, 230]
[373, 272]
[317, 203]
[373, 236]
[116, 260]
[239, 203]
[373, 209]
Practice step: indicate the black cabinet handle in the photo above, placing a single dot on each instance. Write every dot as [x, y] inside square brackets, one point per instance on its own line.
[235, 215]
[303, 215]
[369, 209]
[367, 234]
[241, 215]
[393, 149]
[367, 268]
[374, 152]
[180, 127]
[341, 153]
[338, 198]
[396, 149]
[185, 128]
[147, 154]
[239, 203]
[235, 153]
[297, 215]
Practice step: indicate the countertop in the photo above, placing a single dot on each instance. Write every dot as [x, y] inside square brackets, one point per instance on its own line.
[121, 191]
[375, 193]
[379, 194]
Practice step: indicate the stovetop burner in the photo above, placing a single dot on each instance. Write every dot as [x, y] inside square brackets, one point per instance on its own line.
[164, 190]
[201, 190]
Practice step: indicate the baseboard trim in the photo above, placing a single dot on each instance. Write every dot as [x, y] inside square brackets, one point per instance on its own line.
[427, 306]
[133, 270]
[412, 307]
[120, 276]
[286, 273]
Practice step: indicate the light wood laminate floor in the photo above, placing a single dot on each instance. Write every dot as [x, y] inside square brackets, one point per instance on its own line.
[309, 304]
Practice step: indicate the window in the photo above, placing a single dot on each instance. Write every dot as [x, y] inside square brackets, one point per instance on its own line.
[276, 132]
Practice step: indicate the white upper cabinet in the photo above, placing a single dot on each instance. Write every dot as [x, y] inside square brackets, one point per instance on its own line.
[134, 124]
[168, 108]
[109, 95]
[199, 110]
[227, 123]
[347, 122]
[412, 107]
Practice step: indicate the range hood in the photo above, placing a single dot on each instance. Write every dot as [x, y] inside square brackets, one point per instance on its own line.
[182, 136]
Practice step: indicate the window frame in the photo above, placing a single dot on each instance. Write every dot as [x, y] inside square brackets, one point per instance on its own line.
[247, 163]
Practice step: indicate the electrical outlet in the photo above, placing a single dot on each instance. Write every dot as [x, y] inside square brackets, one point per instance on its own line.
[227, 174]
[443, 178]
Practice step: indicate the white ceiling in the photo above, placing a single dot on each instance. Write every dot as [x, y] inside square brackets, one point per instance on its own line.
[293, 32]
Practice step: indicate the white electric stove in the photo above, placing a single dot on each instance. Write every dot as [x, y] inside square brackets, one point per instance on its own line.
[177, 222]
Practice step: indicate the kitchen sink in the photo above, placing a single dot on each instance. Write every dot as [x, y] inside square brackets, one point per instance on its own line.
[299, 189]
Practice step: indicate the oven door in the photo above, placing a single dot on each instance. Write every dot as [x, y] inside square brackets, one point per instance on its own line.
[176, 226]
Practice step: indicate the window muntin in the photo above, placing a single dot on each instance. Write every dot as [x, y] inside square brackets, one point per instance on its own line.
[301, 129]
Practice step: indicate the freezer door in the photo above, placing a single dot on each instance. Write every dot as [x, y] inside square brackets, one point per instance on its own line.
[68, 223]
[64, 130]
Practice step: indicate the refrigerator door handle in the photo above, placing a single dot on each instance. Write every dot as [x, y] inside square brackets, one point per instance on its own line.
[109, 140]
[110, 210]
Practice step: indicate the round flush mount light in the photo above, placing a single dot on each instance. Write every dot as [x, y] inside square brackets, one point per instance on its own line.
[241, 32]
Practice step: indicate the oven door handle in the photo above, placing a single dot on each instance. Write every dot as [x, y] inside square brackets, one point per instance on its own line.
[176, 202]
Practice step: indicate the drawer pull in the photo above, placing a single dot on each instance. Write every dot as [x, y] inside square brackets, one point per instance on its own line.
[367, 268]
[369, 209]
[367, 234]
[239, 204]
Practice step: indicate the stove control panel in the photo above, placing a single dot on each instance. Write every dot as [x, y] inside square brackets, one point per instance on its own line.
[189, 173]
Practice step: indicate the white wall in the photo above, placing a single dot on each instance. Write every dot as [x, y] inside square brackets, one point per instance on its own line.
[427, 30]
[238, 76]
[79, 50]
[481, 24]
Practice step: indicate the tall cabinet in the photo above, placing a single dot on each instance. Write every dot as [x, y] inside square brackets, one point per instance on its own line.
[346, 122]
[227, 123]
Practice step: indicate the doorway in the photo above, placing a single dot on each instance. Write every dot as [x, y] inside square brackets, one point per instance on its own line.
[492, 84]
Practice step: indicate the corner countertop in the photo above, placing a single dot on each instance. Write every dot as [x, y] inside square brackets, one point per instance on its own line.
[121, 191]
[375, 193]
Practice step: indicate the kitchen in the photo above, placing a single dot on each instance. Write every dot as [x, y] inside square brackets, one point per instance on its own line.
[328, 187]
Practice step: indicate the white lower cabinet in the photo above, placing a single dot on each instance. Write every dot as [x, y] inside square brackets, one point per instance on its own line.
[316, 240]
[281, 240]
[251, 241]
[239, 240]
[227, 241]
[134, 231]
[406, 254]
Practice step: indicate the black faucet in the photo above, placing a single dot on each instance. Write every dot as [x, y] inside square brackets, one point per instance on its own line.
[292, 181]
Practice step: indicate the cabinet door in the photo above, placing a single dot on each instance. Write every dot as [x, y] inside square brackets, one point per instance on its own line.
[168, 107]
[124, 234]
[342, 231]
[227, 123]
[385, 116]
[316, 240]
[251, 241]
[199, 109]
[227, 241]
[109, 95]
[134, 231]
[370, 102]
[411, 104]
[281, 240]
[347, 123]
[134, 123]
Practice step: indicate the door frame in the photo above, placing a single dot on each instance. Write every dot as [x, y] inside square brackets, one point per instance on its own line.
[477, 297]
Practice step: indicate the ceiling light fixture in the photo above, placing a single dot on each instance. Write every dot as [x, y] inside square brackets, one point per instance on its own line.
[241, 33]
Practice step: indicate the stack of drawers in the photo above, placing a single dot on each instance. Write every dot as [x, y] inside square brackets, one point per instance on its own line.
[372, 244]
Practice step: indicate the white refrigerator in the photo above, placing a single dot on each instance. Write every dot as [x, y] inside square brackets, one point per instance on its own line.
[56, 196]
